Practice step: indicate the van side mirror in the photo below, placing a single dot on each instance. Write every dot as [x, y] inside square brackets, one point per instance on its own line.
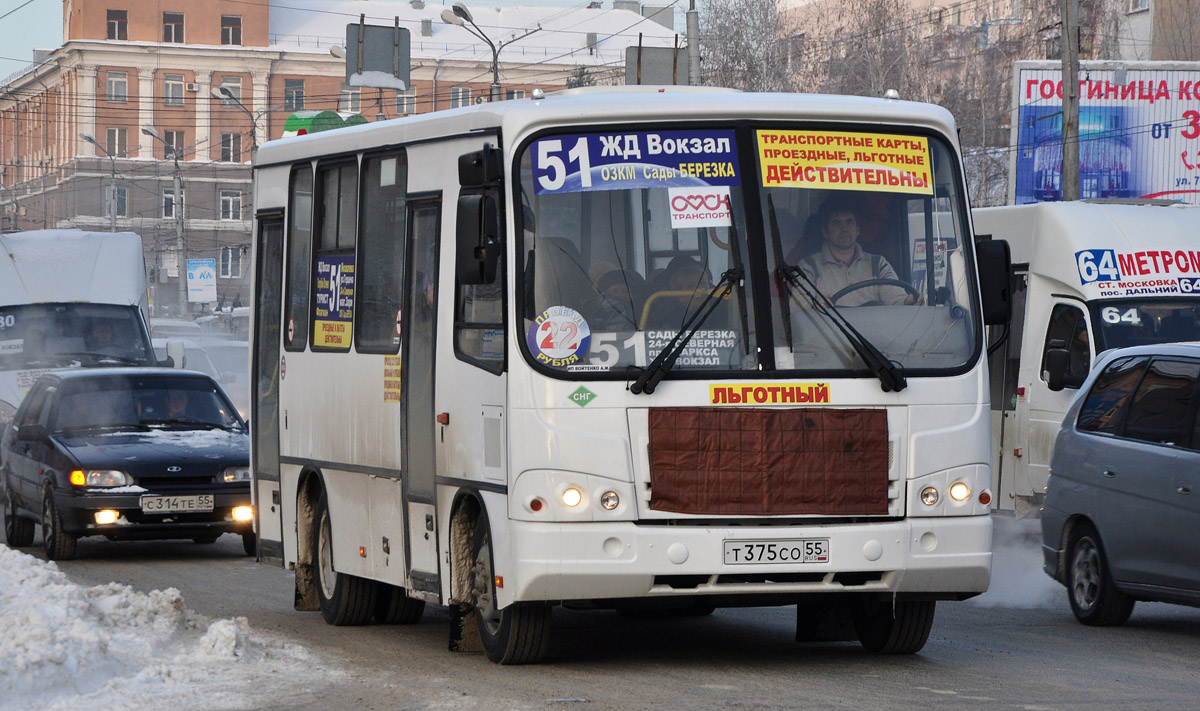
[31, 432]
[1058, 362]
[994, 260]
[477, 236]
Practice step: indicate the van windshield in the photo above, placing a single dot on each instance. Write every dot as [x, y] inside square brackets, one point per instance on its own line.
[630, 238]
[1136, 322]
[62, 335]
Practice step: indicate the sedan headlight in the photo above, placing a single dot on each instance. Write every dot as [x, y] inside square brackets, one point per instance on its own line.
[232, 474]
[100, 478]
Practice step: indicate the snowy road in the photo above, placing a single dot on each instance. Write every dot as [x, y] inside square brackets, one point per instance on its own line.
[1015, 648]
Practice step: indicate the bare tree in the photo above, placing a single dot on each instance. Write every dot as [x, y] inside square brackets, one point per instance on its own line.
[741, 47]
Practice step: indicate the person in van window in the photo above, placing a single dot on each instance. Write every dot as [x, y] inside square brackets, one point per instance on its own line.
[103, 341]
[841, 261]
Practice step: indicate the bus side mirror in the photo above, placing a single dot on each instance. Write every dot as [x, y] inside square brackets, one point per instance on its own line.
[477, 237]
[1058, 362]
[480, 168]
[995, 280]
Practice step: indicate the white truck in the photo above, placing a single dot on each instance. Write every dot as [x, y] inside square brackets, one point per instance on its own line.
[1087, 276]
[69, 298]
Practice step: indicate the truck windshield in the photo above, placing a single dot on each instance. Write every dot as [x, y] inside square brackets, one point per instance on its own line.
[625, 235]
[1135, 322]
[61, 335]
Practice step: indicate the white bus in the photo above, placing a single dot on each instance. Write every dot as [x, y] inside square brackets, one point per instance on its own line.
[559, 351]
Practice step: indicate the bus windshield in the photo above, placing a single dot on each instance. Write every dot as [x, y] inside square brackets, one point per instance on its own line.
[629, 238]
[62, 335]
[1136, 322]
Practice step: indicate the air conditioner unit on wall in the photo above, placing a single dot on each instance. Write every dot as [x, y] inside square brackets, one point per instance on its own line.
[193, 86]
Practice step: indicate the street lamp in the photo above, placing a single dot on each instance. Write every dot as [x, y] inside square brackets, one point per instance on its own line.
[177, 201]
[460, 15]
[112, 200]
[226, 94]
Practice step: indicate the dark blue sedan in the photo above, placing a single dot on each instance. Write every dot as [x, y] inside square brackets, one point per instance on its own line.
[126, 453]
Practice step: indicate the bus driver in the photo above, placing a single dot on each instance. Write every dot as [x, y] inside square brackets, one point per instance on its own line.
[841, 261]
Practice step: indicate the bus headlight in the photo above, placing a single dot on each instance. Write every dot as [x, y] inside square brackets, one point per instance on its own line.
[959, 491]
[929, 495]
[610, 500]
[571, 497]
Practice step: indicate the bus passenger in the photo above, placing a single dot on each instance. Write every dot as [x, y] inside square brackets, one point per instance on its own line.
[841, 261]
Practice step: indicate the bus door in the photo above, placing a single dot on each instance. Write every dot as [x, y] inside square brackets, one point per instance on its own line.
[418, 377]
[264, 389]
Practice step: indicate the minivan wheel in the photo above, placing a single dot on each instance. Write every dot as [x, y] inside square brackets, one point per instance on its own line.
[1095, 600]
[59, 544]
[18, 532]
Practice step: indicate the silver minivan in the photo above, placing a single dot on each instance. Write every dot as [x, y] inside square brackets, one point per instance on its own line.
[1122, 506]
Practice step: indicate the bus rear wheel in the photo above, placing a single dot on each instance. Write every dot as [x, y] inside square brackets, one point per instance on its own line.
[889, 626]
[517, 634]
[345, 599]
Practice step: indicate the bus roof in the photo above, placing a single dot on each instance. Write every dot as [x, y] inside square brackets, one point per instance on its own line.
[610, 105]
[1050, 237]
[55, 266]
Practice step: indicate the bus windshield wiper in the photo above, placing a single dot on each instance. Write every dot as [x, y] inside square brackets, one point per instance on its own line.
[654, 373]
[890, 374]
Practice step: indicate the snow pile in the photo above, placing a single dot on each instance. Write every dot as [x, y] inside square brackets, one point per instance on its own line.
[63, 645]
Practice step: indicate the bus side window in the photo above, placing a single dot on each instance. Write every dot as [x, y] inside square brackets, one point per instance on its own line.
[299, 258]
[1069, 325]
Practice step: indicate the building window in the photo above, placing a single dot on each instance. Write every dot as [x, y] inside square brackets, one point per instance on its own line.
[173, 89]
[1139, 5]
[293, 94]
[231, 29]
[510, 94]
[114, 141]
[351, 101]
[114, 201]
[173, 27]
[169, 212]
[231, 262]
[173, 147]
[231, 147]
[460, 96]
[234, 86]
[117, 84]
[231, 205]
[118, 24]
[406, 103]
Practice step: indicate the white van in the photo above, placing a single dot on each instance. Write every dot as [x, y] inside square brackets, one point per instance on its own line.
[1087, 276]
[69, 298]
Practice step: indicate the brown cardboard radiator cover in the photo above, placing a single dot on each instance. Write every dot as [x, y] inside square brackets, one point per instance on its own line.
[760, 462]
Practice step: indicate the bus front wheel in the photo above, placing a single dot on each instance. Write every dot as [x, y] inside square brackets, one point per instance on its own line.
[345, 599]
[517, 634]
[888, 626]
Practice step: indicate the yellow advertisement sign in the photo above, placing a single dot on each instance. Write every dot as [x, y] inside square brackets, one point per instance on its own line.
[391, 379]
[769, 394]
[843, 160]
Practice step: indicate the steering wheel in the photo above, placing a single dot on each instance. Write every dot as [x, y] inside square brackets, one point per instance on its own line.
[865, 283]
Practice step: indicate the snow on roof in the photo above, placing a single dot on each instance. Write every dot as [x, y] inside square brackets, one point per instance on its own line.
[315, 25]
[66, 647]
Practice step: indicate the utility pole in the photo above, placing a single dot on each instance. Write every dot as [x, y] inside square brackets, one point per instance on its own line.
[177, 198]
[693, 40]
[1070, 102]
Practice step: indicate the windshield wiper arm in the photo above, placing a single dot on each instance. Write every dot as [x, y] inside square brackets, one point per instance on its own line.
[653, 374]
[890, 374]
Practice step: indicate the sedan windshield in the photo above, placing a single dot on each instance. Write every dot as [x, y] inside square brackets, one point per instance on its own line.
[142, 402]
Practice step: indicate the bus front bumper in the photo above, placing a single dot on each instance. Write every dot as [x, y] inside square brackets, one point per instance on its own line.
[942, 558]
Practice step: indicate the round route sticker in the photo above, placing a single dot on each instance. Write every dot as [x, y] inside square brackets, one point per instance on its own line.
[559, 337]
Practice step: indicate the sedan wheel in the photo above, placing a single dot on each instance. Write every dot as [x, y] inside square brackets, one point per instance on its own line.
[18, 532]
[59, 545]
